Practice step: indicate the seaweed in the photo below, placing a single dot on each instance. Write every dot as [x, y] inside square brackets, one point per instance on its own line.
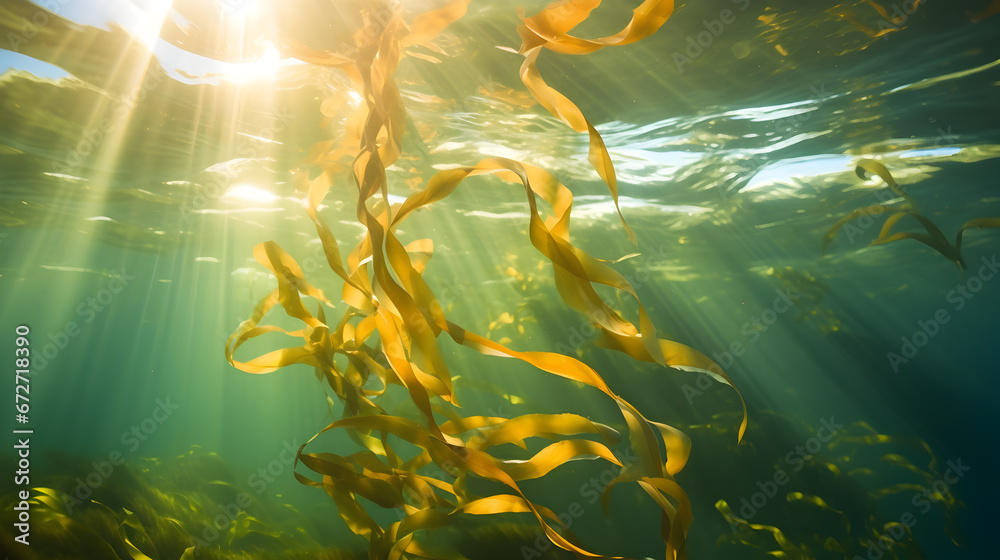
[177, 508]
[934, 238]
[391, 323]
[850, 484]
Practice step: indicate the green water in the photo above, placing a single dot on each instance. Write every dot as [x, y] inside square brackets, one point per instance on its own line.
[134, 189]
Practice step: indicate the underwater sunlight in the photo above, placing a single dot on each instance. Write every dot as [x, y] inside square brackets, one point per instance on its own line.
[298, 279]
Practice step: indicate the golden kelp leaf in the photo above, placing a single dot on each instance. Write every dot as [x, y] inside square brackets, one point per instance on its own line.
[426, 57]
[978, 223]
[818, 502]
[787, 548]
[50, 498]
[934, 238]
[554, 455]
[898, 460]
[516, 429]
[550, 29]
[895, 489]
[132, 521]
[872, 210]
[620, 259]
[428, 25]
[674, 526]
[579, 269]
[877, 168]
[390, 326]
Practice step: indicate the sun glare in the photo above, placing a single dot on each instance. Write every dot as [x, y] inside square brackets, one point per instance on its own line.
[148, 30]
[264, 69]
[248, 193]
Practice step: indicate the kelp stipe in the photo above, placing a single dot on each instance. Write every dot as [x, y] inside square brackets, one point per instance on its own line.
[392, 322]
[934, 238]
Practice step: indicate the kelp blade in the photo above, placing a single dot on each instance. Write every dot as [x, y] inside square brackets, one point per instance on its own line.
[392, 321]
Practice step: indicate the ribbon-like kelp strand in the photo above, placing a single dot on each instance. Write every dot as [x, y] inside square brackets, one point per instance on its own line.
[392, 319]
[581, 269]
[428, 25]
[877, 168]
[550, 29]
[553, 243]
[788, 549]
[873, 210]
[388, 495]
[978, 223]
[502, 430]
[934, 238]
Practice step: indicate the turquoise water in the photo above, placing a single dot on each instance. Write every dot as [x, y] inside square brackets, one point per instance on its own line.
[131, 199]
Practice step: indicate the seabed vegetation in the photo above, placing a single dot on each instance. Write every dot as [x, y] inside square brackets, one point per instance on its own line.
[427, 462]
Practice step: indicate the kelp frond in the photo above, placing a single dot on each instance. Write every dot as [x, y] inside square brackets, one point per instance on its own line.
[974, 224]
[934, 238]
[392, 322]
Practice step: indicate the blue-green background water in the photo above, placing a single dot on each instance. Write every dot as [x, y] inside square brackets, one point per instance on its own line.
[734, 158]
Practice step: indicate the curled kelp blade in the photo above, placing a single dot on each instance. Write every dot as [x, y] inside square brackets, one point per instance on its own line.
[429, 25]
[675, 527]
[934, 238]
[744, 531]
[978, 223]
[497, 431]
[877, 168]
[550, 29]
[948, 251]
[873, 210]
[382, 489]
[392, 319]
[576, 271]
[561, 365]
[862, 168]
[933, 231]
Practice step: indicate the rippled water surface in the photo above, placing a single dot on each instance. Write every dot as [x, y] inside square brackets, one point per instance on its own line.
[147, 148]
